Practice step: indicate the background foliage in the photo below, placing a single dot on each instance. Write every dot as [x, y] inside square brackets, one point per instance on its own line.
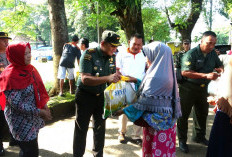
[30, 22]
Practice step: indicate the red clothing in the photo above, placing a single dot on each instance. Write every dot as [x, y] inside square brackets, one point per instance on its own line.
[159, 143]
[18, 75]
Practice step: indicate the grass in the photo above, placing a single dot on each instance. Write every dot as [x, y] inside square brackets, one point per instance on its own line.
[58, 99]
[48, 85]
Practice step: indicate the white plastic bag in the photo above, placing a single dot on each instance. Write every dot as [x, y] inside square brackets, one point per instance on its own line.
[213, 87]
[115, 95]
[131, 96]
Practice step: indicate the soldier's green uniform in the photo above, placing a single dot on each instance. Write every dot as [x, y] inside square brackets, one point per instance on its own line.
[94, 62]
[193, 92]
[90, 99]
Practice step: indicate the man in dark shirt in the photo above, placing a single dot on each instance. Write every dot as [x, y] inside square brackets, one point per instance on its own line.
[186, 47]
[84, 44]
[97, 69]
[199, 65]
[70, 52]
[178, 57]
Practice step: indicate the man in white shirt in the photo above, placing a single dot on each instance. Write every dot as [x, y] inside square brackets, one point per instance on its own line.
[131, 62]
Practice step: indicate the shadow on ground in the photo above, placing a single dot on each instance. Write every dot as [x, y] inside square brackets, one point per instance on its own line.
[55, 140]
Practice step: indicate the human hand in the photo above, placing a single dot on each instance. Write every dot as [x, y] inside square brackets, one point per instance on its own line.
[224, 105]
[212, 76]
[131, 79]
[219, 70]
[113, 78]
[118, 113]
[45, 113]
[46, 108]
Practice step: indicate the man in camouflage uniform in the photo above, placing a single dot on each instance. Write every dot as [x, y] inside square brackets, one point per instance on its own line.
[97, 69]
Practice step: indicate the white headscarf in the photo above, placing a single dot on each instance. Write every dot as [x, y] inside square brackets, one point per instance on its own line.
[158, 90]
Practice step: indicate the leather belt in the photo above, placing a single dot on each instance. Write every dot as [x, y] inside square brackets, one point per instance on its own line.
[202, 85]
[98, 94]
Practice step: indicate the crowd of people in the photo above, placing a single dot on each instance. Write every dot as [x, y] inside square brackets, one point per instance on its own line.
[163, 102]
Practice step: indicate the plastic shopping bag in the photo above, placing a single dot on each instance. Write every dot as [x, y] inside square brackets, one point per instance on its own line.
[213, 87]
[114, 98]
[131, 96]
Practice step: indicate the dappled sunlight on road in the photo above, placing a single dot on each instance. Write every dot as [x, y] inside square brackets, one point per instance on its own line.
[56, 139]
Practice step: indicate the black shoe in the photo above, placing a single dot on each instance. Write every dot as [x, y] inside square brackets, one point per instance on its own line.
[138, 142]
[183, 147]
[202, 141]
[122, 138]
[13, 143]
[2, 151]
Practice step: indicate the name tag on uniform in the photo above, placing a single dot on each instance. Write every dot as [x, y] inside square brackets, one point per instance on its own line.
[200, 61]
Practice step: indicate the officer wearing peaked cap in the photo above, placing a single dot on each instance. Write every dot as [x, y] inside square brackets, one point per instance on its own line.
[97, 69]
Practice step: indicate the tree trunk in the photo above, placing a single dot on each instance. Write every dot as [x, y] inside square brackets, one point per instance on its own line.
[59, 36]
[130, 19]
[186, 29]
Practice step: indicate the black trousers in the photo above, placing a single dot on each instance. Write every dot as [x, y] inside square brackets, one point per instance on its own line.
[192, 96]
[2, 125]
[220, 141]
[29, 148]
[88, 105]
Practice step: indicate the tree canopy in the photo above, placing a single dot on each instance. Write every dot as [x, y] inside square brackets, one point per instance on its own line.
[84, 17]
[28, 21]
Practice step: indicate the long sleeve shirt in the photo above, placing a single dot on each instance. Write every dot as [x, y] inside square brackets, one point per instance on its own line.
[22, 115]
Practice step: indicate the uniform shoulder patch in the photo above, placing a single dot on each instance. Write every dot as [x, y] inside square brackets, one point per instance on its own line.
[87, 56]
[91, 50]
[187, 63]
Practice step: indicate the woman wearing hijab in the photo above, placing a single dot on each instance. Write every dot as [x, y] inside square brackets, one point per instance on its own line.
[24, 98]
[220, 141]
[158, 104]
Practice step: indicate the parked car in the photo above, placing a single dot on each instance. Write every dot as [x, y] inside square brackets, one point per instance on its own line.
[43, 52]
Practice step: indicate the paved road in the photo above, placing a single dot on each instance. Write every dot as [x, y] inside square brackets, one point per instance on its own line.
[55, 140]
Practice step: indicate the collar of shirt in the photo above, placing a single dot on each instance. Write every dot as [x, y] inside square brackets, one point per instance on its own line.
[200, 53]
[128, 50]
[101, 53]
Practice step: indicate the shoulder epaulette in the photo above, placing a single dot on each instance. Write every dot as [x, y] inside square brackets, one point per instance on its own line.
[87, 57]
[92, 50]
